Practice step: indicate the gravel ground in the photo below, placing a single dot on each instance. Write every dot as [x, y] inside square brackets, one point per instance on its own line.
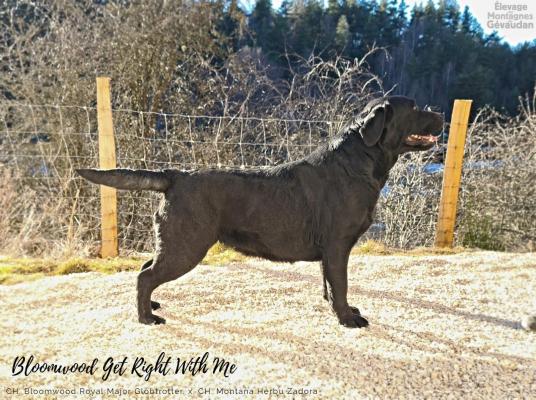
[442, 326]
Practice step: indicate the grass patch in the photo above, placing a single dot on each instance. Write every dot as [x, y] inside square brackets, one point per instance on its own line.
[482, 232]
[427, 251]
[370, 247]
[17, 270]
[374, 248]
[221, 254]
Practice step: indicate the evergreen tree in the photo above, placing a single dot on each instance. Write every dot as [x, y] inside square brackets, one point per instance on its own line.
[343, 32]
[261, 22]
[469, 24]
[232, 23]
[334, 8]
[307, 28]
[437, 53]
[401, 19]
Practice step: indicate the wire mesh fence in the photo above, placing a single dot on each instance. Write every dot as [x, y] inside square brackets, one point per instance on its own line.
[46, 208]
[42, 145]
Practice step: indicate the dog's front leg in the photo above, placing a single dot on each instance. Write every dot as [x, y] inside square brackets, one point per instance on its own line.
[355, 310]
[335, 275]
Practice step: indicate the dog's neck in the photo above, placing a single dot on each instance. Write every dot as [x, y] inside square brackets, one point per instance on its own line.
[354, 154]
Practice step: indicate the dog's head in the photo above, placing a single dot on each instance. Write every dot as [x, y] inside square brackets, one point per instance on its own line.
[395, 123]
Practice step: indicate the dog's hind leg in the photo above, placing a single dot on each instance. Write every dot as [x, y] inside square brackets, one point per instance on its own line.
[160, 271]
[155, 305]
[335, 272]
[166, 268]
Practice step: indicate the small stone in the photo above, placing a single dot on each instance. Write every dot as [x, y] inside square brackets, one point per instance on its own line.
[529, 322]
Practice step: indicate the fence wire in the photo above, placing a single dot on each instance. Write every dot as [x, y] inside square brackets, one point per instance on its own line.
[46, 208]
[42, 145]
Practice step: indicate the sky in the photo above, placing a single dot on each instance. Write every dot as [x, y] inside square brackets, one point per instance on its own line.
[481, 9]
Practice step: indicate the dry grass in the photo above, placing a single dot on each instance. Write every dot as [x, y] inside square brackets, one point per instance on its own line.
[370, 247]
[373, 247]
[16, 270]
[46, 210]
[221, 254]
[54, 213]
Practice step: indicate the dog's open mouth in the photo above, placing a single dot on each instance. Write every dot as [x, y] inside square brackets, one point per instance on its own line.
[421, 140]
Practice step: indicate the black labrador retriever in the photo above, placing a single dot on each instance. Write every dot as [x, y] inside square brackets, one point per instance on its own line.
[311, 209]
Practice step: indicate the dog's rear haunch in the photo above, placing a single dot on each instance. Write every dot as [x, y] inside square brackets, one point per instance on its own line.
[315, 208]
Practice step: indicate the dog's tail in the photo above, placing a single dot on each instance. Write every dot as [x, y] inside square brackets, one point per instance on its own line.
[128, 179]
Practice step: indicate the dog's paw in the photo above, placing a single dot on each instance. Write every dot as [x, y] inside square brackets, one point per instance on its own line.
[152, 320]
[355, 310]
[354, 321]
[155, 305]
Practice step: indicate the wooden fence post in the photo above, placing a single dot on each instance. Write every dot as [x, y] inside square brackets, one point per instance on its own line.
[109, 246]
[452, 173]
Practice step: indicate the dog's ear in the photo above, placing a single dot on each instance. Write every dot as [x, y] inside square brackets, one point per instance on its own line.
[373, 124]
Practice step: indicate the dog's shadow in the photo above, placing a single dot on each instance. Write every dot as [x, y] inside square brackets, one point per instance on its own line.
[332, 362]
[393, 296]
[439, 308]
[426, 342]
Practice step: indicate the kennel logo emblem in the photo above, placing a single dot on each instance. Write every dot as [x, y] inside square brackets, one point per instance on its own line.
[510, 16]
